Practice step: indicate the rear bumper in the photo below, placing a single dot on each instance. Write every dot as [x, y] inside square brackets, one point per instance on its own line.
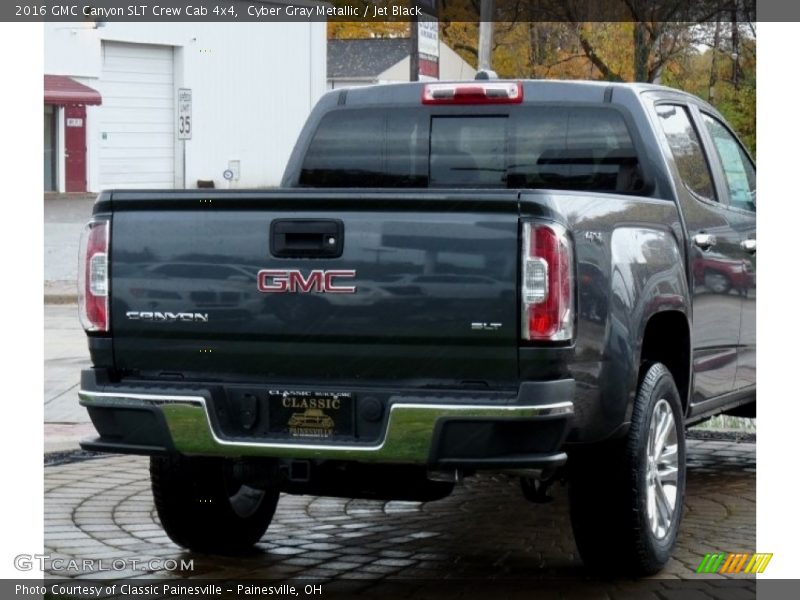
[437, 429]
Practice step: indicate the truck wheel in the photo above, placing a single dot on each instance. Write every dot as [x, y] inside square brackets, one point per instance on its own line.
[211, 505]
[626, 497]
[717, 282]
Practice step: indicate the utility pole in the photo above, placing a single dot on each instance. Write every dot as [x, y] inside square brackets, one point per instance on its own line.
[485, 31]
[414, 57]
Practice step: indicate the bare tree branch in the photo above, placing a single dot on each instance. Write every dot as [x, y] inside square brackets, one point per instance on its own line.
[592, 55]
[466, 48]
[562, 61]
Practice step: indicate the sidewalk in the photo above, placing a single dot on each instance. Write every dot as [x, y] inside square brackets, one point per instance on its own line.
[64, 218]
[65, 354]
[65, 349]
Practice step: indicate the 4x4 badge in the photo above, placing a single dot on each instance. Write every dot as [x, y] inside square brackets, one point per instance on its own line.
[481, 326]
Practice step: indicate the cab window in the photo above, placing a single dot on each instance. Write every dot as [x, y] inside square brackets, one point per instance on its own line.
[686, 150]
[740, 175]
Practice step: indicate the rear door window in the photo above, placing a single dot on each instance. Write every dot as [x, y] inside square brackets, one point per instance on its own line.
[740, 175]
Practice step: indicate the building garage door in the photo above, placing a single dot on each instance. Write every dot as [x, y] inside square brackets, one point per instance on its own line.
[136, 118]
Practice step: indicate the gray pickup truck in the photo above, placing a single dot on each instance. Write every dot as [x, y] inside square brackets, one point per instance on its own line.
[548, 279]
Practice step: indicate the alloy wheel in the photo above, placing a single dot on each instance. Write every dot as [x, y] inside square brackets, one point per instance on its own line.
[662, 469]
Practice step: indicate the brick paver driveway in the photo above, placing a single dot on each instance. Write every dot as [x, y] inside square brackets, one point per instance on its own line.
[102, 509]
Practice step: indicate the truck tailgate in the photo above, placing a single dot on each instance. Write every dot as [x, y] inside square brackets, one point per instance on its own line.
[424, 291]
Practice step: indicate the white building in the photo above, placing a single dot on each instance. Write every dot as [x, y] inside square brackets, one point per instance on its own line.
[111, 102]
[359, 62]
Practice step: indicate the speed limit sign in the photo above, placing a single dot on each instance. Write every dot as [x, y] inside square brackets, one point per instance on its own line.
[184, 124]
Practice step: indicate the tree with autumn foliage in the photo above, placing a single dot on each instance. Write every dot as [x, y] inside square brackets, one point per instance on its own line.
[708, 48]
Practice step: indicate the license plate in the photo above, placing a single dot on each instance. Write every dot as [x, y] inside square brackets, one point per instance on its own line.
[305, 414]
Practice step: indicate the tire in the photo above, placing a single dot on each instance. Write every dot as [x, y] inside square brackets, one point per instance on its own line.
[716, 282]
[210, 505]
[613, 490]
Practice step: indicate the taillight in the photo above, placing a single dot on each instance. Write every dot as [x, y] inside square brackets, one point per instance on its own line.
[93, 276]
[497, 92]
[547, 283]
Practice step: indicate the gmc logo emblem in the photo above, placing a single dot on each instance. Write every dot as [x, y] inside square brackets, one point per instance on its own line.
[281, 281]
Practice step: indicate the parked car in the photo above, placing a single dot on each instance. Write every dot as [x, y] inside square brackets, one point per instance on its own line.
[720, 274]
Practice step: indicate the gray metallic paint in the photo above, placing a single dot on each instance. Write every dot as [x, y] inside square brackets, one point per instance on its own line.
[631, 254]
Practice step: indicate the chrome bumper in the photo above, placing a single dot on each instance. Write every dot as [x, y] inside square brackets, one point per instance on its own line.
[409, 434]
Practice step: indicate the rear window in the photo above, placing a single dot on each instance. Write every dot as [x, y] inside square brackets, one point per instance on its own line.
[575, 149]
[554, 147]
[468, 151]
[368, 148]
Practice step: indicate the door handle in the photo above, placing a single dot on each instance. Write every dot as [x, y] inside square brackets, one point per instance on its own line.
[749, 246]
[306, 238]
[704, 241]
